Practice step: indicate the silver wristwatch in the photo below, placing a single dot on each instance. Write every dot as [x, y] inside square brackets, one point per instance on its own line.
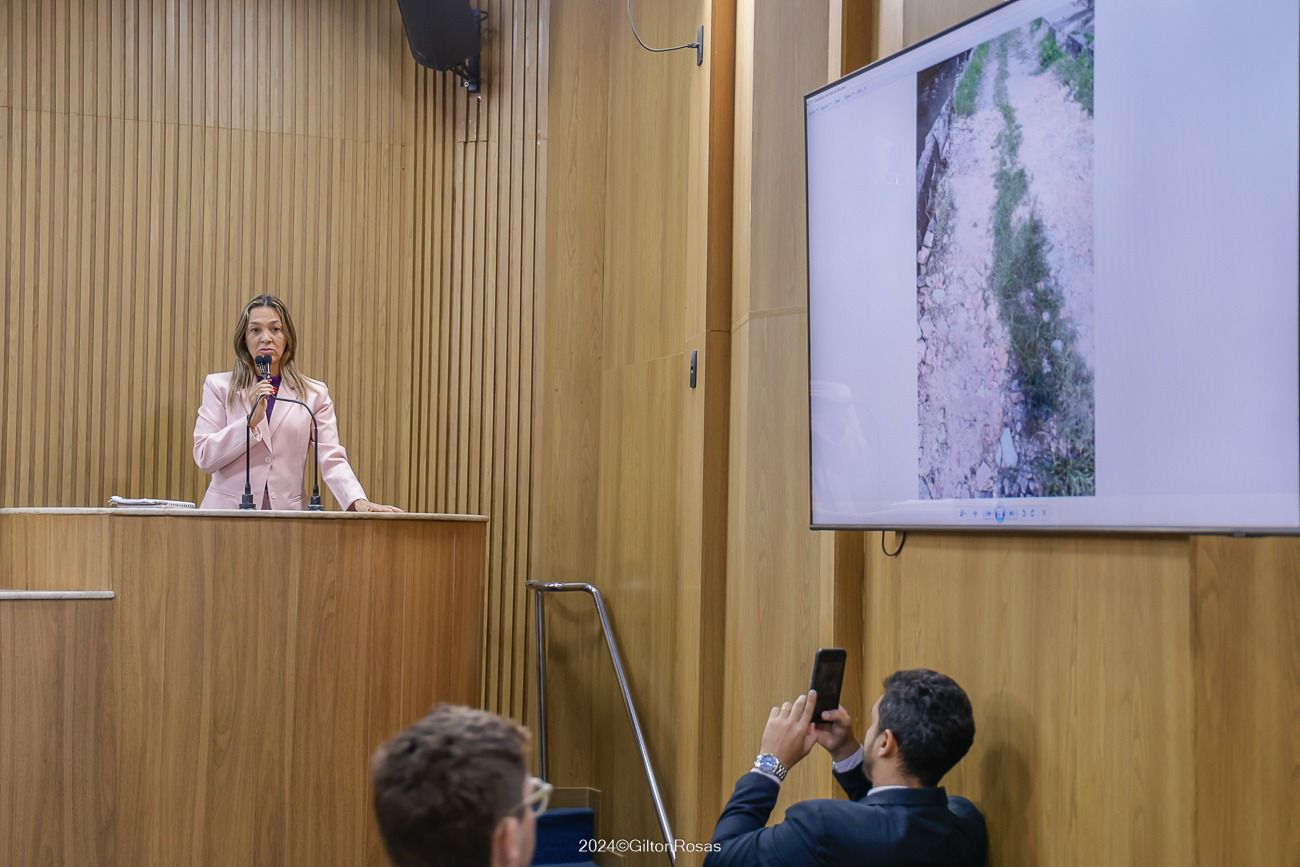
[770, 764]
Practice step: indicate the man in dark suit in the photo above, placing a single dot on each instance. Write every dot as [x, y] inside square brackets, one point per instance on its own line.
[920, 727]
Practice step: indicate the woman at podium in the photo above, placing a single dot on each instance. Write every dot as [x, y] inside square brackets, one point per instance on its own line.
[277, 435]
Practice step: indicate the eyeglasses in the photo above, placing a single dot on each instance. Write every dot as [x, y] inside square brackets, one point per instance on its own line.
[539, 798]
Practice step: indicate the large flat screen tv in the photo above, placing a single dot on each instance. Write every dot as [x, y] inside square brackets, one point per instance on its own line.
[1054, 271]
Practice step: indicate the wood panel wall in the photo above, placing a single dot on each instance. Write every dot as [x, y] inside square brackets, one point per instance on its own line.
[1127, 689]
[1075, 653]
[1136, 698]
[570, 311]
[1245, 615]
[161, 162]
[632, 479]
[1091, 660]
[916, 21]
[782, 583]
[56, 664]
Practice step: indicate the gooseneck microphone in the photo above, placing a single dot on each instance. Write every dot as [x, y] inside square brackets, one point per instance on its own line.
[315, 504]
[246, 502]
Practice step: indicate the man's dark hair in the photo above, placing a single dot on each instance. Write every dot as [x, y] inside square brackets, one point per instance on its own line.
[442, 785]
[931, 719]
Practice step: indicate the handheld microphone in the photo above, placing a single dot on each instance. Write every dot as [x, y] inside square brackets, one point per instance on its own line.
[264, 369]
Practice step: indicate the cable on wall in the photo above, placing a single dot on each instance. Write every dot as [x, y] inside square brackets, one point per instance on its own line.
[901, 536]
[698, 44]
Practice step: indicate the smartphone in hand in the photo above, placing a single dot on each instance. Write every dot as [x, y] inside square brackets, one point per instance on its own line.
[827, 679]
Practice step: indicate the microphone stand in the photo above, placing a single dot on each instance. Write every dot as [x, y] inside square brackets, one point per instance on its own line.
[246, 502]
[263, 363]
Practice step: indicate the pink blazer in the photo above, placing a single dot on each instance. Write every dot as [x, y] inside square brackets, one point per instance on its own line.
[279, 455]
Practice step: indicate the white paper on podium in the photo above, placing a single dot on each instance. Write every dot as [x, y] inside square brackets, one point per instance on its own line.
[116, 502]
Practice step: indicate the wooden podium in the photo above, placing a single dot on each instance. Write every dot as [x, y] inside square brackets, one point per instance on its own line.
[218, 704]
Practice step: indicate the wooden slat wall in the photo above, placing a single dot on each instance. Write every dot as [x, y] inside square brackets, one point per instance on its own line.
[161, 161]
[479, 167]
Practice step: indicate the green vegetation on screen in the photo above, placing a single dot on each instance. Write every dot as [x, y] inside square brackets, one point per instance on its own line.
[1056, 383]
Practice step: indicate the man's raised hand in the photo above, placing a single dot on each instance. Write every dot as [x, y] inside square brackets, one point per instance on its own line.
[790, 734]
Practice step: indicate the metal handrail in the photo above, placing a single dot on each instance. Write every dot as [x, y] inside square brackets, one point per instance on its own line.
[542, 588]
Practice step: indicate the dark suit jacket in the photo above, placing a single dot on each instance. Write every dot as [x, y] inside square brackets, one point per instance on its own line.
[893, 827]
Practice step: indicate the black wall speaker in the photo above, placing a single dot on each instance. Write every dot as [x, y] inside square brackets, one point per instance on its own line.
[443, 34]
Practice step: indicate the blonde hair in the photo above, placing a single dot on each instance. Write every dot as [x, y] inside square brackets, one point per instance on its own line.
[244, 375]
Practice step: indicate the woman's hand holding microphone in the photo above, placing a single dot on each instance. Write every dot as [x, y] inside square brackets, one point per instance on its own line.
[262, 390]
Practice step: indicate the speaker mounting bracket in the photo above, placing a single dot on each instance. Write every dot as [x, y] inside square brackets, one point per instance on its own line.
[468, 73]
[469, 70]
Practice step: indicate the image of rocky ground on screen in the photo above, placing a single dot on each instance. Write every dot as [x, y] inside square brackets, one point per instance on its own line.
[1004, 264]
